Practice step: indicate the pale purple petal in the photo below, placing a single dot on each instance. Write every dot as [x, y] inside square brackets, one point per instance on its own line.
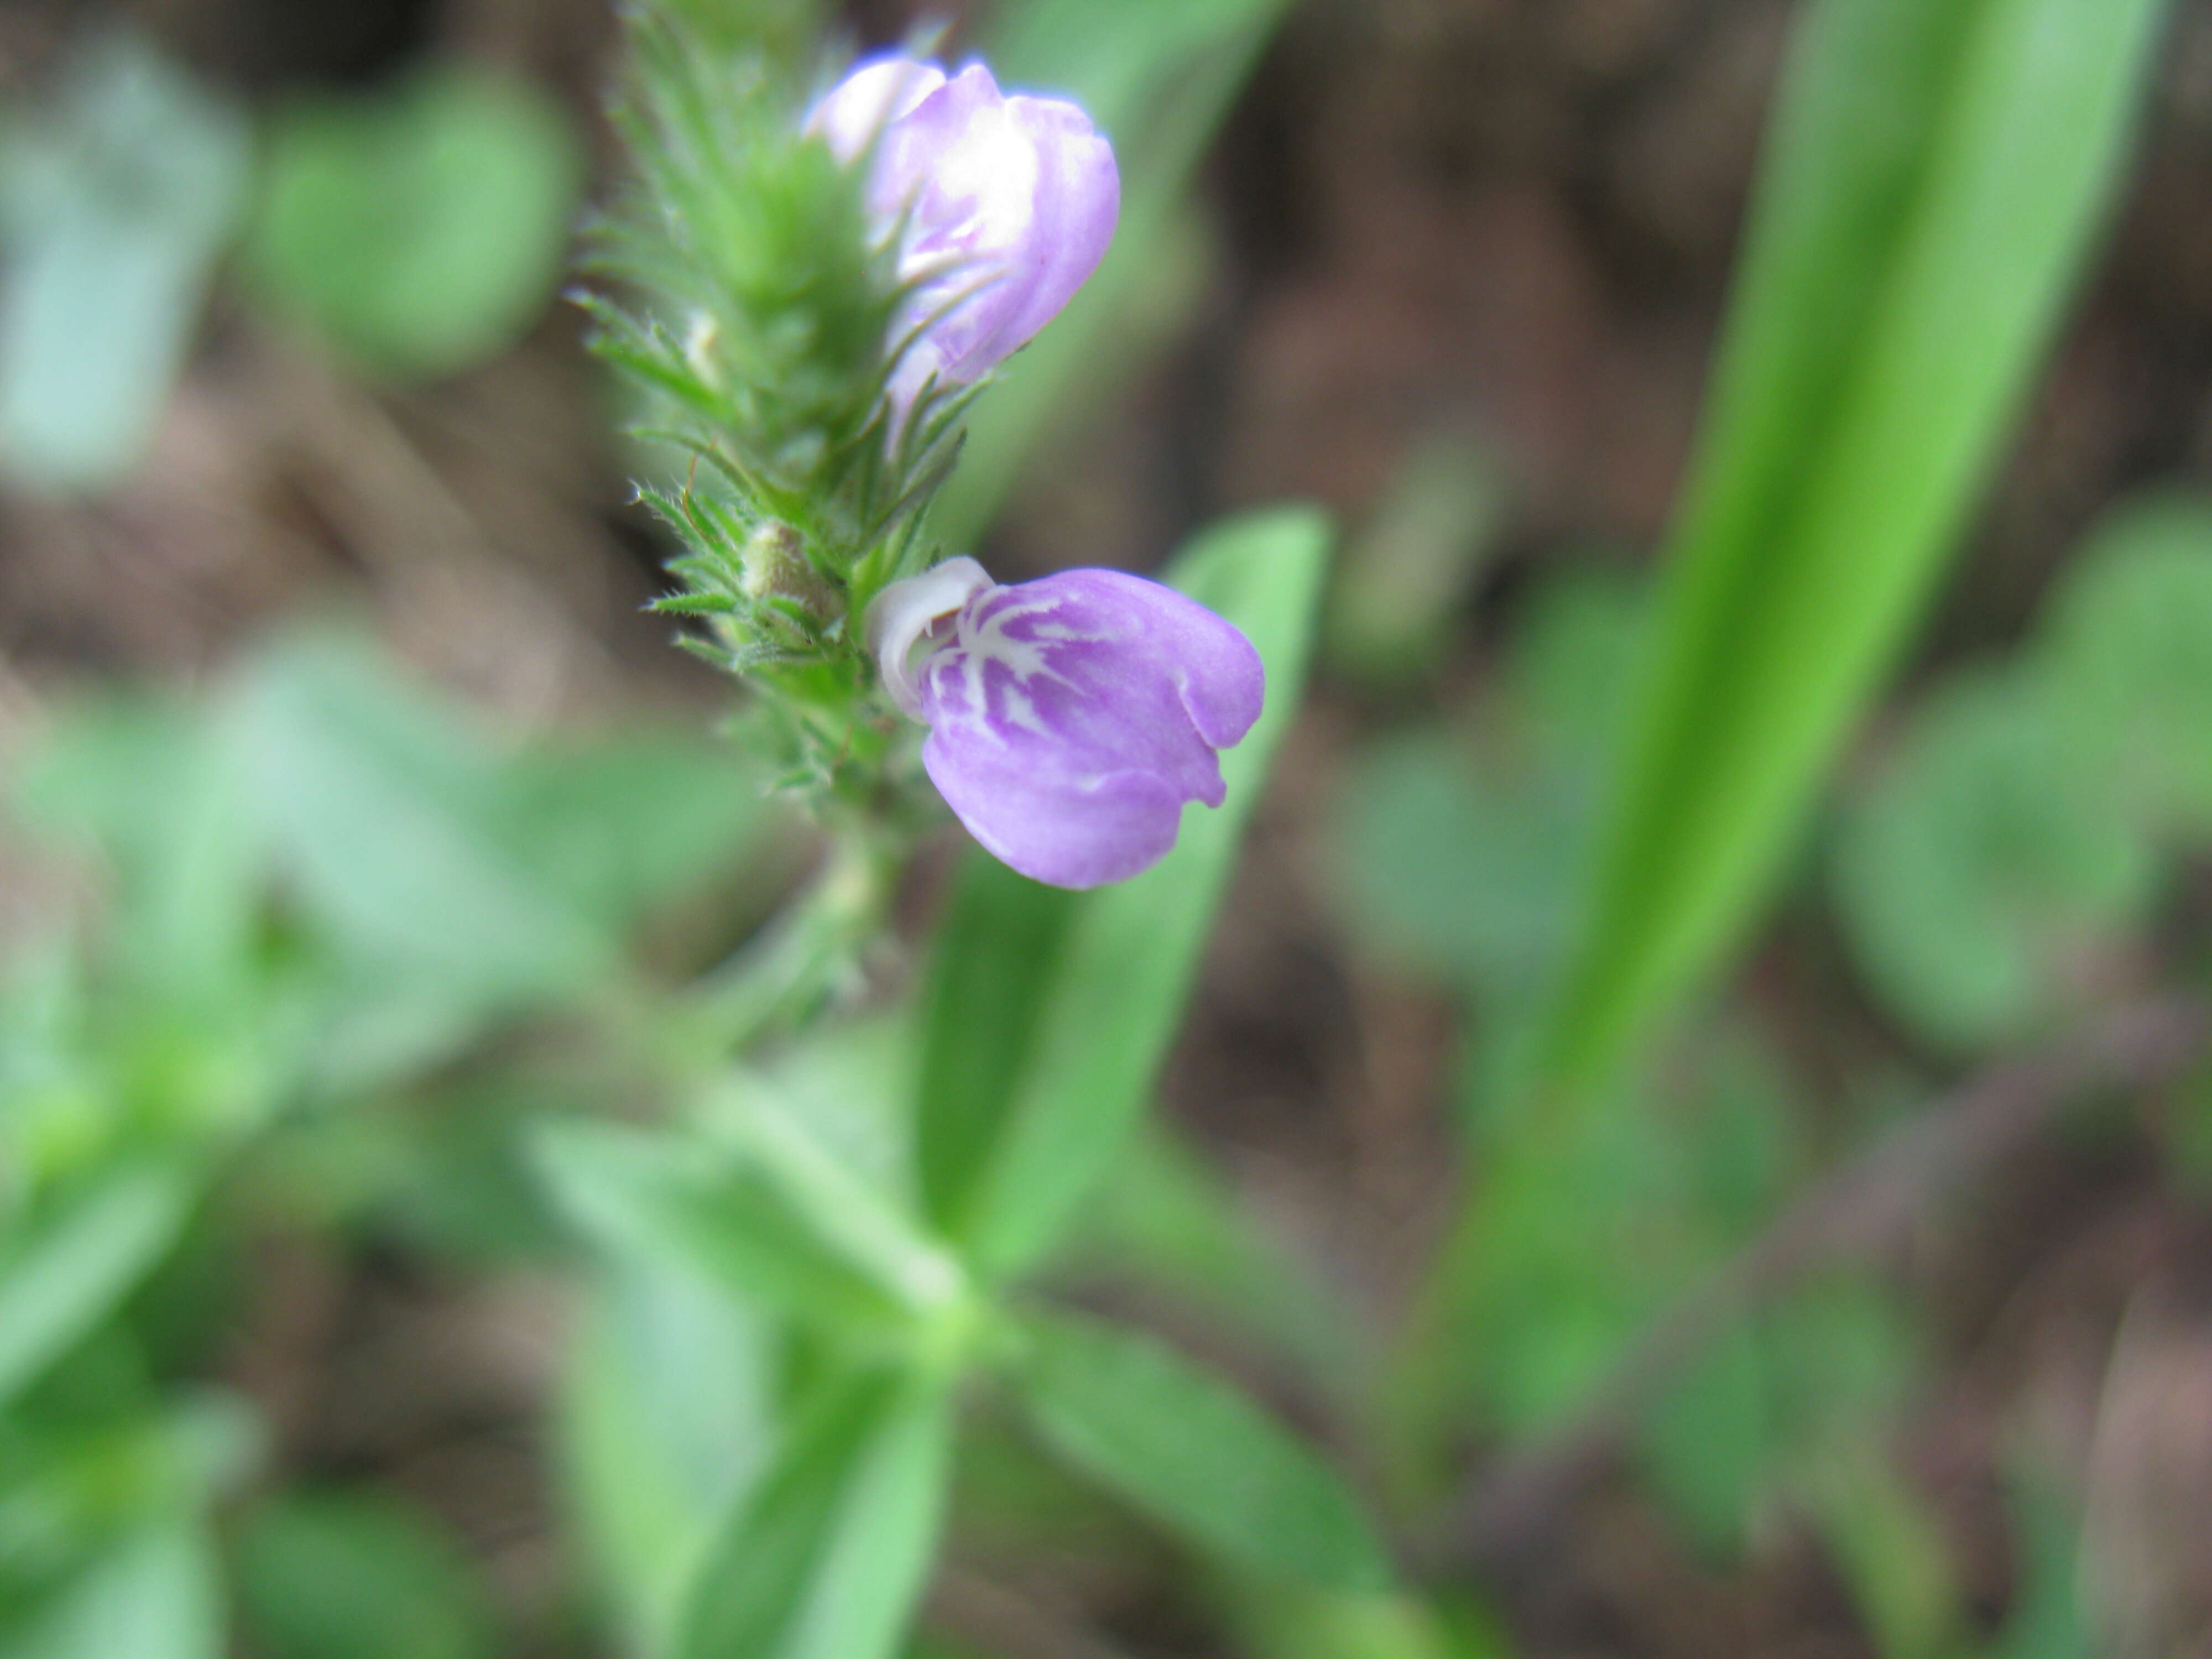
[1105, 829]
[1003, 206]
[1071, 717]
[875, 94]
[1077, 204]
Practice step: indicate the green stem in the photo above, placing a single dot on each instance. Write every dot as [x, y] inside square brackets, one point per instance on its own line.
[778, 980]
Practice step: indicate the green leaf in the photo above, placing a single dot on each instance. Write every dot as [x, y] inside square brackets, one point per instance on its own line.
[1402, 580]
[1462, 847]
[114, 209]
[69, 1273]
[150, 785]
[357, 1575]
[1463, 860]
[825, 1557]
[1893, 1554]
[72, 1491]
[781, 1224]
[1018, 1128]
[2047, 1619]
[1193, 1454]
[1707, 1446]
[1158, 76]
[1929, 193]
[995, 954]
[664, 1416]
[1166, 1220]
[389, 819]
[424, 230]
[1278, 1621]
[620, 825]
[2127, 646]
[158, 1596]
[1986, 867]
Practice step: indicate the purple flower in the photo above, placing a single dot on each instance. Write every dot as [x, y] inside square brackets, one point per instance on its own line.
[1069, 718]
[1004, 206]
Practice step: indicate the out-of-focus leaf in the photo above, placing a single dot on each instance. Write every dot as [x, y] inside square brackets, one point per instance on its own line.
[1935, 173]
[1467, 867]
[1585, 1235]
[1707, 1448]
[388, 817]
[114, 208]
[665, 1418]
[1462, 847]
[1985, 863]
[1193, 1454]
[1280, 1621]
[1158, 76]
[825, 1556]
[1842, 1356]
[2047, 1619]
[990, 978]
[1166, 1219]
[1029, 1145]
[1892, 1553]
[777, 1222]
[150, 787]
[358, 1575]
[423, 229]
[2127, 651]
[847, 1084]
[158, 1596]
[67, 1493]
[64, 1276]
[1403, 579]
[621, 824]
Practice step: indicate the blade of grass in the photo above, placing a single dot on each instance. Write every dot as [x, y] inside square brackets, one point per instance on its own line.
[1936, 174]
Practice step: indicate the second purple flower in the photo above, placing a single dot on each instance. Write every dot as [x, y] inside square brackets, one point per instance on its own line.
[1003, 204]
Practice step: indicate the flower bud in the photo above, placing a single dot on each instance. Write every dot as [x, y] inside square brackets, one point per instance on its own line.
[1003, 207]
[1070, 717]
[775, 566]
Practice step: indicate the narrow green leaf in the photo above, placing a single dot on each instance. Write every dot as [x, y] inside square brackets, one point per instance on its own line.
[664, 1416]
[1030, 1094]
[1936, 172]
[1193, 1454]
[69, 1274]
[1276, 1621]
[1001, 940]
[827, 1555]
[820, 1249]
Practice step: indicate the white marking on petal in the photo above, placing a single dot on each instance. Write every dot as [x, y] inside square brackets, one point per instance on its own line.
[899, 616]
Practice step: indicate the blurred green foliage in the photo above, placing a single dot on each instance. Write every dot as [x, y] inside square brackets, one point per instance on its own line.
[117, 196]
[328, 956]
[421, 228]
